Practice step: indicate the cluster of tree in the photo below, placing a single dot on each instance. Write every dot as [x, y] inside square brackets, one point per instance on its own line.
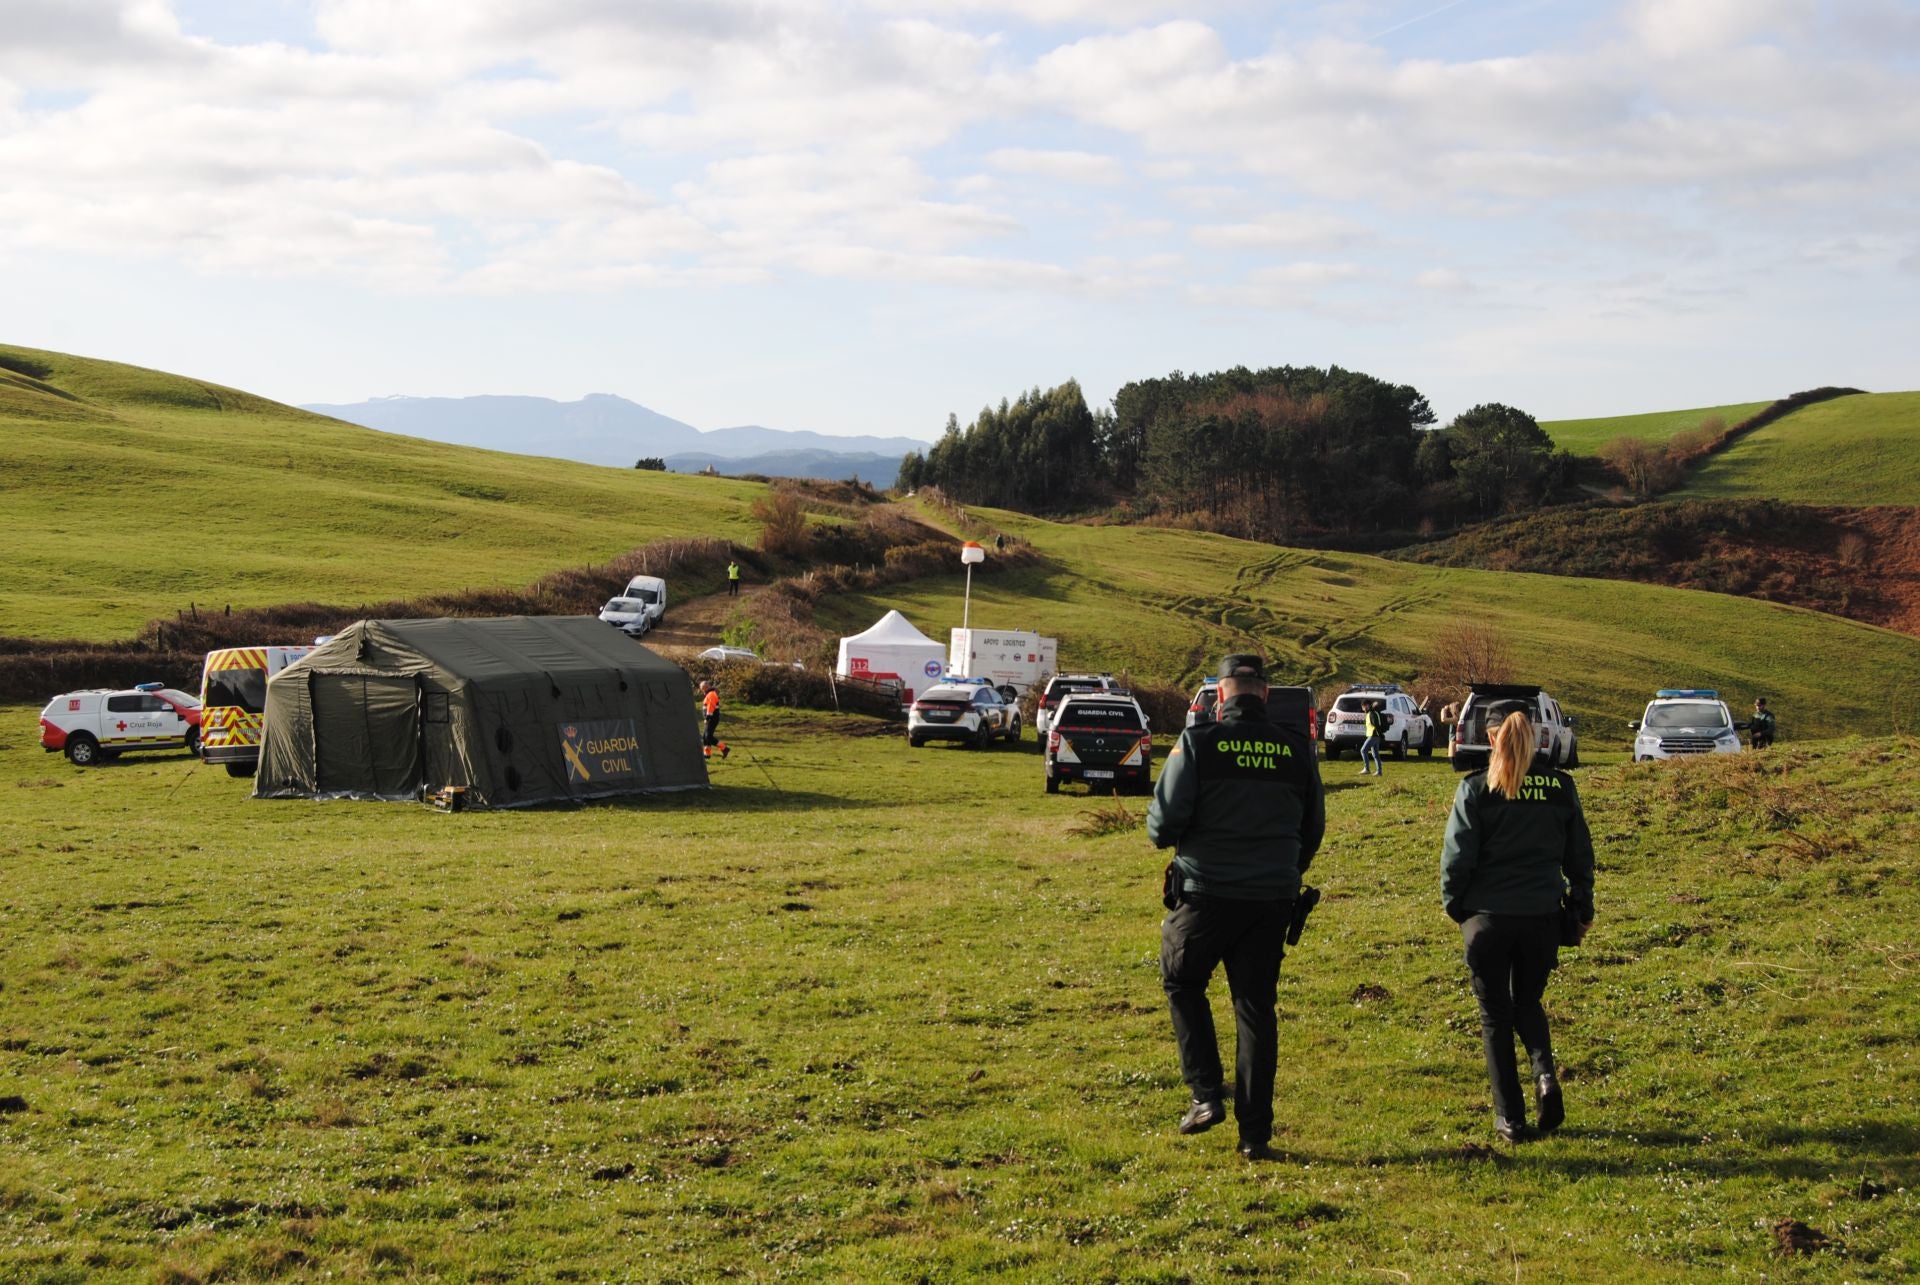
[1038, 453]
[651, 462]
[1268, 454]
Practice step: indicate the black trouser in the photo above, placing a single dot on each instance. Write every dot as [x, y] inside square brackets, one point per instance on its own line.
[709, 736]
[733, 588]
[1509, 958]
[1250, 938]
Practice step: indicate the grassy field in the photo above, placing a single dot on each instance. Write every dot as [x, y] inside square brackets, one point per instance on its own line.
[1168, 604]
[1587, 436]
[128, 493]
[815, 1025]
[1849, 451]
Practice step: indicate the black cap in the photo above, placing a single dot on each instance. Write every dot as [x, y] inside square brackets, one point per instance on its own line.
[1244, 665]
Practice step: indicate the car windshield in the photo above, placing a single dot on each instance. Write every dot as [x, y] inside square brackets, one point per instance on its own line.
[624, 604]
[1101, 714]
[1687, 714]
[180, 698]
[644, 596]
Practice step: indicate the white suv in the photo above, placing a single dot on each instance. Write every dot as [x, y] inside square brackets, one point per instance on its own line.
[1346, 727]
[970, 713]
[1469, 750]
[1061, 686]
[96, 725]
[1685, 720]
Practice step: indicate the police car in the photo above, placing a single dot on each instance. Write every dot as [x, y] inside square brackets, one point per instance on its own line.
[1100, 738]
[1685, 720]
[100, 724]
[973, 713]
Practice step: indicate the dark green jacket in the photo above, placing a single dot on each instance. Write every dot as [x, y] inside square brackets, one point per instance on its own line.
[1240, 802]
[1517, 856]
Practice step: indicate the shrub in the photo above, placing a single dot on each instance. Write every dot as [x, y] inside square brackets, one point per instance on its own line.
[783, 522]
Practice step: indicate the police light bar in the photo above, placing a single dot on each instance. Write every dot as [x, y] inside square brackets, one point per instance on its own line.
[1686, 693]
[148, 687]
[1374, 687]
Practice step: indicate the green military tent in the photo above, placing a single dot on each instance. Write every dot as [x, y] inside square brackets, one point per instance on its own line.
[507, 712]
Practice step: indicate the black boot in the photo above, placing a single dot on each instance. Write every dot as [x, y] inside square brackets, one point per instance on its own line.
[1546, 1097]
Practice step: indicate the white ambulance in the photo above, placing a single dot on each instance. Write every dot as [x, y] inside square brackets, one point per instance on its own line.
[100, 724]
[233, 691]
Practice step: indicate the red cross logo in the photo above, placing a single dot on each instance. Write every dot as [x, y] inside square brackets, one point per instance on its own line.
[122, 724]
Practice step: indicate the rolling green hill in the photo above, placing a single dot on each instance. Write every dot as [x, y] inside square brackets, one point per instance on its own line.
[1857, 450]
[1587, 436]
[127, 493]
[131, 493]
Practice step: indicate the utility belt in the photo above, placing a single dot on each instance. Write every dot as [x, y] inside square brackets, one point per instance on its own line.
[1173, 891]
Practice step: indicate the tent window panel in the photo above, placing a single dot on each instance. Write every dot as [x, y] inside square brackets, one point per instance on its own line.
[439, 708]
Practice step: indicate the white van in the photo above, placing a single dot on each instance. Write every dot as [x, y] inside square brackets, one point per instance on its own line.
[652, 591]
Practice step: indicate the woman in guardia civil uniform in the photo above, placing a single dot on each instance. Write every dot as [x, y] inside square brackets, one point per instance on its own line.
[1517, 847]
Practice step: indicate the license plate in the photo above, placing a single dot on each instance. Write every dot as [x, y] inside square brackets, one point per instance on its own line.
[1097, 774]
[936, 716]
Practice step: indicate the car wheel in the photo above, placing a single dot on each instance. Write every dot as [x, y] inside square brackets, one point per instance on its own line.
[241, 771]
[1333, 751]
[193, 741]
[1053, 784]
[1573, 754]
[983, 739]
[1400, 749]
[916, 742]
[1426, 744]
[82, 750]
[1013, 731]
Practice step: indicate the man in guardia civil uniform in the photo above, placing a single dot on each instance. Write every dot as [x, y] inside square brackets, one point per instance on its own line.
[1240, 802]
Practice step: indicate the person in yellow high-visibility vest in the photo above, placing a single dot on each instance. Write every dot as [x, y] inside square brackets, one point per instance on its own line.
[733, 579]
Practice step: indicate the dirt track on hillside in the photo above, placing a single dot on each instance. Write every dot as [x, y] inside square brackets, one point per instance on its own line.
[697, 623]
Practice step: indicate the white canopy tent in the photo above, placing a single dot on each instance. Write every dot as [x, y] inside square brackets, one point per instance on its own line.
[894, 649]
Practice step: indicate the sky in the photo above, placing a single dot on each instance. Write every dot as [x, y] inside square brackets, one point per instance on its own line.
[861, 216]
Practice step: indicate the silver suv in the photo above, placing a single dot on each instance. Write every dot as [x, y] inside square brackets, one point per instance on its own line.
[1685, 720]
[1559, 745]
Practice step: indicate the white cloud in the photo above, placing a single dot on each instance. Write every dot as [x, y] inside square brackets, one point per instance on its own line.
[1066, 166]
[1289, 229]
[1444, 281]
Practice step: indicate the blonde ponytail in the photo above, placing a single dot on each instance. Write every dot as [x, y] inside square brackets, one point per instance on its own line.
[1512, 754]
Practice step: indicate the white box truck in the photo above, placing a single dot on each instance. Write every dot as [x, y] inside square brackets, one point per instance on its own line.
[1003, 657]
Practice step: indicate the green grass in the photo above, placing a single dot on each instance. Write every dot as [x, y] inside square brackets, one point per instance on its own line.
[809, 1025]
[128, 493]
[1850, 451]
[1167, 605]
[1587, 436]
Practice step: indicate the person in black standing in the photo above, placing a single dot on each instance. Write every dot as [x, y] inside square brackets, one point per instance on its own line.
[1241, 803]
[1762, 725]
[1517, 845]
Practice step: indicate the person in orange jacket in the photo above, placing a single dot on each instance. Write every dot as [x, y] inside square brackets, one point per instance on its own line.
[710, 708]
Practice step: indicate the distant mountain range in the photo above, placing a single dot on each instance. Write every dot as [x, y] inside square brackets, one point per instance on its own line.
[603, 429]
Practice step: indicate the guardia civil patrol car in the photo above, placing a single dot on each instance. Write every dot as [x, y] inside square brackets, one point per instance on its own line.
[1685, 720]
[99, 724]
[1101, 739]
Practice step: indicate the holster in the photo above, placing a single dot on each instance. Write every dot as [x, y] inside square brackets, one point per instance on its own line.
[1172, 884]
[1303, 905]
